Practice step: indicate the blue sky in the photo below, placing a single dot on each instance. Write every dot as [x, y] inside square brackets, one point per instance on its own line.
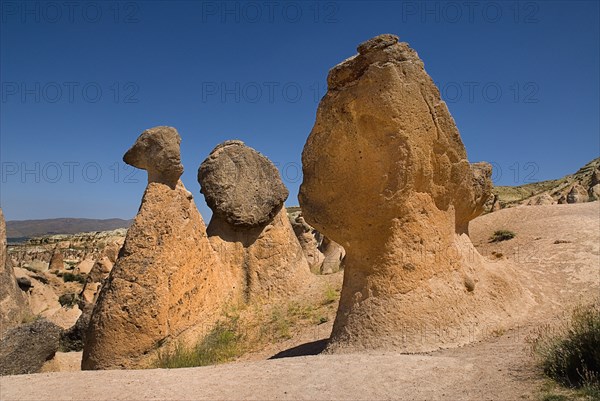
[80, 82]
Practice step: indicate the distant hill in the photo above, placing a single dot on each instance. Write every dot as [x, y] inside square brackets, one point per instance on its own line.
[34, 228]
[588, 176]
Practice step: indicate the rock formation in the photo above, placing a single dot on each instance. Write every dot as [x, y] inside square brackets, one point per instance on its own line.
[250, 229]
[594, 192]
[542, 199]
[13, 305]
[585, 180]
[167, 284]
[333, 254]
[386, 176]
[308, 241]
[57, 261]
[473, 197]
[24, 349]
[157, 152]
[241, 186]
[577, 194]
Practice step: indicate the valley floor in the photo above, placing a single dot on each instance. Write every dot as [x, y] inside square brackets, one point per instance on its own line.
[556, 252]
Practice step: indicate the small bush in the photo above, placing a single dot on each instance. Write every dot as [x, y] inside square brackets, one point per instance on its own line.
[68, 300]
[219, 346]
[70, 277]
[502, 235]
[570, 352]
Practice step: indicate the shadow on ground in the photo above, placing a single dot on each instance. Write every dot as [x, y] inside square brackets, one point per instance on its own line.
[312, 348]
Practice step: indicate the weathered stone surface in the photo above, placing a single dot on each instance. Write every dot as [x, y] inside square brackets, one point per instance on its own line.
[594, 192]
[249, 228]
[57, 261]
[13, 305]
[595, 178]
[267, 261]
[241, 185]
[541, 199]
[73, 338]
[577, 194]
[334, 255]
[167, 285]
[157, 152]
[111, 251]
[308, 241]
[387, 177]
[24, 349]
[470, 201]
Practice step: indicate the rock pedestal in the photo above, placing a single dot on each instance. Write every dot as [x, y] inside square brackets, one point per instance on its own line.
[250, 229]
[386, 176]
[167, 281]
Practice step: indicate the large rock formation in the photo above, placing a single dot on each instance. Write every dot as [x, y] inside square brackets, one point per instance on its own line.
[577, 194]
[250, 229]
[13, 305]
[24, 349]
[386, 176]
[168, 284]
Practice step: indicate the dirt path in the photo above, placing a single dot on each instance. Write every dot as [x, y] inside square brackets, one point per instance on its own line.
[556, 252]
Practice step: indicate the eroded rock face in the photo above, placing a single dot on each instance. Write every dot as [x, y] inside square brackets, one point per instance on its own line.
[57, 261]
[13, 305]
[541, 199]
[24, 349]
[386, 176]
[241, 185]
[577, 194]
[594, 192]
[471, 201]
[157, 152]
[167, 284]
[250, 229]
[308, 242]
[334, 254]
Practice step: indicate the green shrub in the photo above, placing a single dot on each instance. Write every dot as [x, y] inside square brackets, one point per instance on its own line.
[569, 352]
[219, 346]
[502, 235]
[70, 277]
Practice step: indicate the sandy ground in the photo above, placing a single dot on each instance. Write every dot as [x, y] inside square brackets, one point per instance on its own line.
[499, 368]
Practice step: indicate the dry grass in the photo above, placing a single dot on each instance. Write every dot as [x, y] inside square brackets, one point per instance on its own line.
[245, 329]
[569, 351]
